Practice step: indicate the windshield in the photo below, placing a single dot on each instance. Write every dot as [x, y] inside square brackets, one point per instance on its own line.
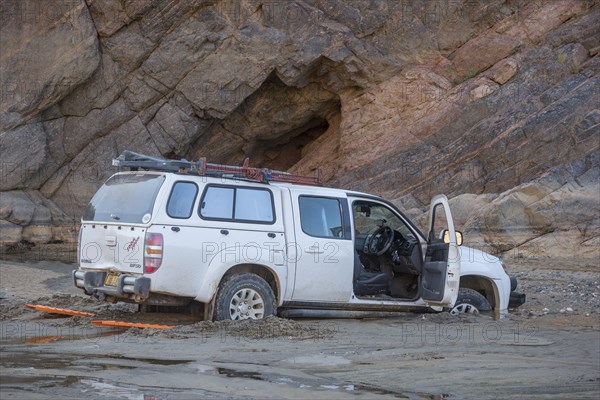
[125, 198]
[368, 216]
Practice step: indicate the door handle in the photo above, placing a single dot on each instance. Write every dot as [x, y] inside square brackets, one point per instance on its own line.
[271, 235]
[175, 229]
[224, 232]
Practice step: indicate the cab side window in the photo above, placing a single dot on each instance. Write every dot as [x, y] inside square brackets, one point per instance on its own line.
[321, 217]
[253, 205]
[217, 203]
[181, 200]
[238, 204]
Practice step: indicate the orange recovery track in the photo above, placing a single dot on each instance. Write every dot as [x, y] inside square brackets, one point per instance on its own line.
[61, 311]
[120, 324]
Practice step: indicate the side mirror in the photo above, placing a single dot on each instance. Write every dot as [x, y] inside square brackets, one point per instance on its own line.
[459, 237]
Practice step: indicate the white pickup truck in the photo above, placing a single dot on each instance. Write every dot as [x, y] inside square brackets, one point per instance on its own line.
[248, 243]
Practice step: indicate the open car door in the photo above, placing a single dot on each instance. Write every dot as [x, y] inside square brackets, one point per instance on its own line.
[441, 268]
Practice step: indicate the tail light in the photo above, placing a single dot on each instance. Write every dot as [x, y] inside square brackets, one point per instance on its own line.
[153, 252]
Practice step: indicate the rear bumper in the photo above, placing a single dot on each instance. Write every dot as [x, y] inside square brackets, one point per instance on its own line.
[128, 286]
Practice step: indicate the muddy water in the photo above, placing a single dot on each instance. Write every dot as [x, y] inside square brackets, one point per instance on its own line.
[30, 375]
[407, 358]
[52, 374]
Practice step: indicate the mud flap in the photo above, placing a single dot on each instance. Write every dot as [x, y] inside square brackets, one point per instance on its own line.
[209, 310]
[142, 287]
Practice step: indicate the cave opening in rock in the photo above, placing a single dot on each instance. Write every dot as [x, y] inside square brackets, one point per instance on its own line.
[295, 117]
[286, 152]
[273, 126]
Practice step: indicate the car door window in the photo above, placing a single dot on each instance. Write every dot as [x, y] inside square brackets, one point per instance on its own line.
[321, 217]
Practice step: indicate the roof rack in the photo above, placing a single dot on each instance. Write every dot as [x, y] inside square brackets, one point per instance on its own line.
[136, 161]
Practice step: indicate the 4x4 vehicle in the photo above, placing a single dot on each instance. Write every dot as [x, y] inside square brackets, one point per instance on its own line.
[247, 243]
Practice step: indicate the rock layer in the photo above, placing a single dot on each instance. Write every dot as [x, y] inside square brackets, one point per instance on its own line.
[494, 103]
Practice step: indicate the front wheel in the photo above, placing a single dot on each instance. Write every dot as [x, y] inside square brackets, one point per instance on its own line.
[244, 296]
[470, 301]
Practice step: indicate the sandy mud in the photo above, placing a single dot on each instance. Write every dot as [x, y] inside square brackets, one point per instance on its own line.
[549, 348]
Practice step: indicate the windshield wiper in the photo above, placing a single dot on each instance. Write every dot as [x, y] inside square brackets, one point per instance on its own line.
[115, 217]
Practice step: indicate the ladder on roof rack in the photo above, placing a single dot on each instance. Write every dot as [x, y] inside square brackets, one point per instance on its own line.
[136, 161]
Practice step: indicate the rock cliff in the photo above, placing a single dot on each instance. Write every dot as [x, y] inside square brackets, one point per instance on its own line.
[493, 102]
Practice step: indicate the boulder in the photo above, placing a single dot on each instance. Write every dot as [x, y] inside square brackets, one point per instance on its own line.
[11, 233]
[37, 233]
[554, 216]
[467, 206]
[16, 207]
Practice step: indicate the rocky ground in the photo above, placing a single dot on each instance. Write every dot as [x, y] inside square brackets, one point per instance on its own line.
[548, 348]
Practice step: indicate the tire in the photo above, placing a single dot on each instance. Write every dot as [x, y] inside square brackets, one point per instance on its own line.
[469, 301]
[244, 296]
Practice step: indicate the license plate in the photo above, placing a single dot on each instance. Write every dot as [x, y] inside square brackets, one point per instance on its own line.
[111, 280]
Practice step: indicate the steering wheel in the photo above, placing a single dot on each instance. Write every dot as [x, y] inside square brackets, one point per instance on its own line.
[378, 242]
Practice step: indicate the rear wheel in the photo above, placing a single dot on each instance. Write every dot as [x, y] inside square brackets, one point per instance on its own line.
[470, 301]
[244, 296]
